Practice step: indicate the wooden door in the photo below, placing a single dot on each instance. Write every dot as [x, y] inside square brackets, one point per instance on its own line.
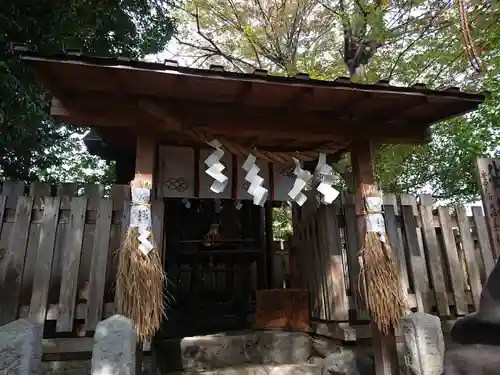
[213, 280]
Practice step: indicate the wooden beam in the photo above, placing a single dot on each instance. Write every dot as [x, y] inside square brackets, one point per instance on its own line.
[362, 166]
[225, 118]
[161, 113]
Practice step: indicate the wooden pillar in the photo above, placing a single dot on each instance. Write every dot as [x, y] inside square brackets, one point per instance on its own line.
[125, 167]
[145, 157]
[384, 346]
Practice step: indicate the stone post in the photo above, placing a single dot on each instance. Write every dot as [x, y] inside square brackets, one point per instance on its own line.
[114, 347]
[20, 348]
[423, 344]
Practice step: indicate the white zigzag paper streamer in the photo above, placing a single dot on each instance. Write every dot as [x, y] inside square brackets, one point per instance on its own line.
[328, 193]
[255, 189]
[145, 245]
[300, 183]
[215, 167]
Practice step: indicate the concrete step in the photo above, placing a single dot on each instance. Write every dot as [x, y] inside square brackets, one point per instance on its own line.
[303, 369]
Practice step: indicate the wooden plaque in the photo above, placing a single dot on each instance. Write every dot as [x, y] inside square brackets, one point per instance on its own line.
[176, 174]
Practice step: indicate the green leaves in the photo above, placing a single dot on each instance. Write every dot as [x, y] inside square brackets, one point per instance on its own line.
[33, 145]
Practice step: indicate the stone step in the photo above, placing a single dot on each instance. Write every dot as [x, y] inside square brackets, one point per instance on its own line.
[233, 349]
[303, 369]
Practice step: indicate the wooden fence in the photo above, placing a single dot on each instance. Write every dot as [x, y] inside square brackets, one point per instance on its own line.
[57, 262]
[444, 257]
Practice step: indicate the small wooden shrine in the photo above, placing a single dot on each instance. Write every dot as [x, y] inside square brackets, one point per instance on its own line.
[163, 122]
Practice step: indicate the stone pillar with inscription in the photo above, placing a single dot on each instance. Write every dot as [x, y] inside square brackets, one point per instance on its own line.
[489, 179]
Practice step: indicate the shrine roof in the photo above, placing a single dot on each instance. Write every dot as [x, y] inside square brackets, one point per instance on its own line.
[252, 109]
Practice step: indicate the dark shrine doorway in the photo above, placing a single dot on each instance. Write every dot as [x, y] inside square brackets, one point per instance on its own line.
[215, 259]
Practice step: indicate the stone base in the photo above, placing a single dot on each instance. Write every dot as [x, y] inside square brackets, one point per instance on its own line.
[254, 347]
[234, 349]
[303, 369]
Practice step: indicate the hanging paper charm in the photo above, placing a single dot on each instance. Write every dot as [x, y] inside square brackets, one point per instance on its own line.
[255, 189]
[140, 217]
[324, 173]
[303, 177]
[374, 218]
[215, 167]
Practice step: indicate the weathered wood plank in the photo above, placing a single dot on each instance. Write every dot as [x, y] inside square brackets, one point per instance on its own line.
[98, 265]
[395, 238]
[119, 194]
[94, 195]
[41, 281]
[319, 268]
[434, 254]
[336, 288]
[454, 265]
[12, 189]
[484, 240]
[353, 259]
[3, 203]
[12, 266]
[93, 190]
[311, 277]
[73, 243]
[416, 256]
[53, 312]
[470, 257]
[123, 231]
[157, 217]
[39, 191]
[67, 189]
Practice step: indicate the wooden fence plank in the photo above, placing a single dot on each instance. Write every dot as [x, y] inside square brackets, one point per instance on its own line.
[415, 252]
[39, 191]
[318, 269]
[434, 254]
[94, 195]
[119, 194]
[158, 219]
[395, 237]
[93, 190]
[12, 266]
[73, 243]
[484, 240]
[330, 233]
[3, 204]
[41, 281]
[12, 189]
[98, 265]
[454, 265]
[470, 256]
[311, 279]
[123, 231]
[67, 189]
[353, 260]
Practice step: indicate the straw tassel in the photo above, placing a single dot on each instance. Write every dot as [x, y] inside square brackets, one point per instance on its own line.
[140, 277]
[380, 281]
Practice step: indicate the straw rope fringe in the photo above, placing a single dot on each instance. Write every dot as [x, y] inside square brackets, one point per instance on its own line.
[380, 282]
[140, 283]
